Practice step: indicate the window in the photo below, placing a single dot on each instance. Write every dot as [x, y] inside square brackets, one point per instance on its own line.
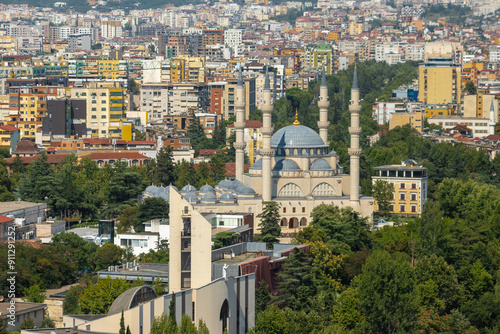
[103, 116]
[402, 186]
[303, 209]
[103, 109]
[402, 208]
[94, 109]
[413, 186]
[391, 208]
[94, 116]
[402, 196]
[413, 196]
[284, 210]
[413, 208]
[293, 210]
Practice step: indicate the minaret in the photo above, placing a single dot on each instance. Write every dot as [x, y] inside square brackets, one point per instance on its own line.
[239, 125]
[355, 150]
[267, 130]
[491, 124]
[323, 104]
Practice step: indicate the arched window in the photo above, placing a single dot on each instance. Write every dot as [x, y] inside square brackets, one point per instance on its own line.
[293, 223]
[323, 189]
[303, 222]
[290, 189]
[283, 222]
[224, 315]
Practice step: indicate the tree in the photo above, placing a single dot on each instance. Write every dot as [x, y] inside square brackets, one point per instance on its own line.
[297, 285]
[122, 324]
[382, 192]
[3, 327]
[386, 296]
[343, 225]
[431, 228]
[47, 323]
[108, 255]
[133, 87]
[470, 88]
[34, 294]
[150, 208]
[98, 297]
[128, 330]
[127, 218]
[76, 249]
[163, 173]
[269, 226]
[38, 183]
[223, 239]
[185, 173]
[28, 323]
[262, 297]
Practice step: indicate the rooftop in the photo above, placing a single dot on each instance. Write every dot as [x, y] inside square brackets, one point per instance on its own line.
[6, 207]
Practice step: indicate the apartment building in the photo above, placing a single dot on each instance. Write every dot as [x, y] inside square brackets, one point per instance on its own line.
[111, 29]
[27, 107]
[106, 105]
[160, 100]
[409, 182]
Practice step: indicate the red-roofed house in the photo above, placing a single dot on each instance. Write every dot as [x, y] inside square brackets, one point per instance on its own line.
[104, 158]
[53, 159]
[6, 225]
[26, 148]
[252, 136]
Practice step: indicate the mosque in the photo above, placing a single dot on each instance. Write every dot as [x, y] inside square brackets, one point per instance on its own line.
[295, 168]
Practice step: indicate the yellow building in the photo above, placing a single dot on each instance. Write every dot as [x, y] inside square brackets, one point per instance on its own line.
[228, 97]
[438, 110]
[355, 28]
[187, 69]
[415, 119]
[106, 108]
[439, 81]
[320, 55]
[112, 69]
[409, 183]
[333, 36]
[478, 106]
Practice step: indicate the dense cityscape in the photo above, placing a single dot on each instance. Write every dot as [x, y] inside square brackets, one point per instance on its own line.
[259, 166]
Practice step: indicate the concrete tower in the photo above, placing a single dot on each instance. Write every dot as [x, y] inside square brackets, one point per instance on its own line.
[355, 150]
[491, 124]
[239, 125]
[323, 104]
[267, 130]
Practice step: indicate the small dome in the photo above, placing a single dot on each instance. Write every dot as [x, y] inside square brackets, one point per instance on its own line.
[296, 136]
[209, 198]
[234, 184]
[188, 189]
[320, 164]
[207, 189]
[244, 190]
[175, 187]
[286, 165]
[191, 198]
[228, 197]
[224, 184]
[257, 164]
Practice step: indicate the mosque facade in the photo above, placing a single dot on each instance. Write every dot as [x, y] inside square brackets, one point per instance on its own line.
[294, 168]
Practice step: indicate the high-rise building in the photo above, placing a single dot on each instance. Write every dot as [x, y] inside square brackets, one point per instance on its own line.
[439, 82]
[111, 29]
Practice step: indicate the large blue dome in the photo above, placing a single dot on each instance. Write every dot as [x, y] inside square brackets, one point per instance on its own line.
[296, 136]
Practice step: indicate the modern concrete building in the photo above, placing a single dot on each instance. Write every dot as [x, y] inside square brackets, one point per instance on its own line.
[410, 186]
[79, 42]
